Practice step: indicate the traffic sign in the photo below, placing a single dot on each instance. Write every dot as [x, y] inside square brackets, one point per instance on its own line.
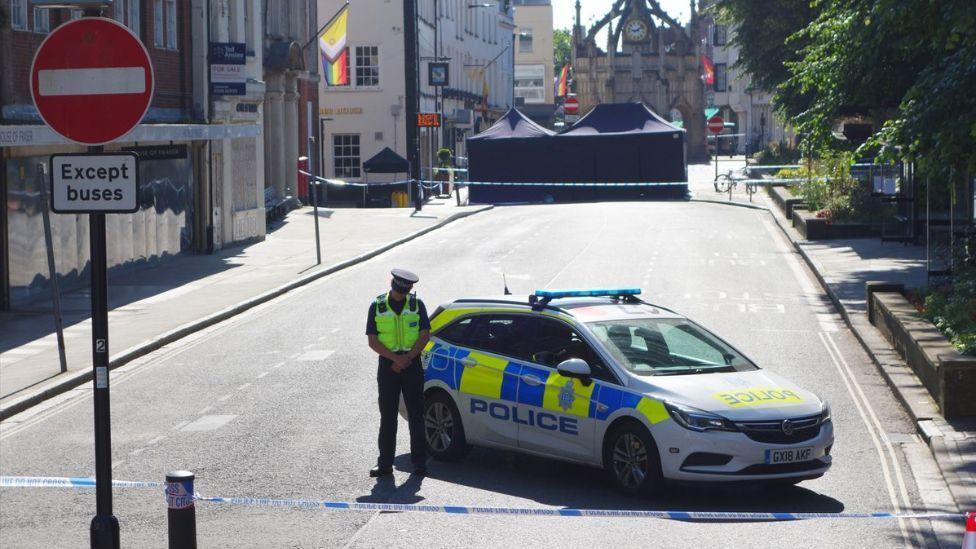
[92, 80]
[95, 183]
[716, 124]
[571, 105]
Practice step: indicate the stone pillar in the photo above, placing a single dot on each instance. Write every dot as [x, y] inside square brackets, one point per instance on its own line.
[290, 116]
[274, 172]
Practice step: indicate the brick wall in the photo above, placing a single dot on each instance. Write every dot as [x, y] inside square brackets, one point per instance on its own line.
[172, 69]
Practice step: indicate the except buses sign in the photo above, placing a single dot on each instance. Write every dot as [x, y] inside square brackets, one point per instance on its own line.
[92, 80]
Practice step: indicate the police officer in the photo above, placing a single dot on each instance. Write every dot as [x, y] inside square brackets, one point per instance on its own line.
[398, 329]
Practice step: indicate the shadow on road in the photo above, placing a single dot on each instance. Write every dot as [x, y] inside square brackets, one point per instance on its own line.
[568, 485]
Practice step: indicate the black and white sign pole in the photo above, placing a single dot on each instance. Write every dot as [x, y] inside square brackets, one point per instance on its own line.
[104, 527]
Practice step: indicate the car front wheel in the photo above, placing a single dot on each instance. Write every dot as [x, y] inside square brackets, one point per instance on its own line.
[631, 460]
[443, 429]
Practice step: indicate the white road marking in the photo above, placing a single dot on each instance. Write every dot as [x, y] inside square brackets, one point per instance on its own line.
[245, 386]
[334, 330]
[278, 365]
[137, 451]
[878, 437]
[225, 397]
[181, 424]
[315, 355]
[209, 423]
[156, 440]
[91, 81]
[117, 463]
[201, 412]
[262, 374]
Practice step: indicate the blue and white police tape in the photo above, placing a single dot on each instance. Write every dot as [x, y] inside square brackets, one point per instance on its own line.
[69, 482]
[550, 512]
[716, 516]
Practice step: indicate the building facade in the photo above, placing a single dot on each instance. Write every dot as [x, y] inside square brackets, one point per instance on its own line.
[291, 100]
[647, 57]
[359, 119]
[181, 196]
[534, 71]
[754, 123]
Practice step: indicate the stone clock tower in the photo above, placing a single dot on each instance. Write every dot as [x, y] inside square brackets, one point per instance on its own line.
[645, 56]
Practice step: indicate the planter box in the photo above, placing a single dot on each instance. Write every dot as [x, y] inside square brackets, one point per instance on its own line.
[949, 376]
[815, 228]
[783, 198]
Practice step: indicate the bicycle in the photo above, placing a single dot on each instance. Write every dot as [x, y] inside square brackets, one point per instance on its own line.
[726, 182]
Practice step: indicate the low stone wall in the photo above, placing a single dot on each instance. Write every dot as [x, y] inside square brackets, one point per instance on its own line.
[783, 198]
[949, 376]
[815, 228]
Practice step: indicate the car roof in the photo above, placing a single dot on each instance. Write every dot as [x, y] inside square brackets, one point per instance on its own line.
[584, 309]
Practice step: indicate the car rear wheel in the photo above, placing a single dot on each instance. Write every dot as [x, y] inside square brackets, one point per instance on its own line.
[631, 460]
[443, 429]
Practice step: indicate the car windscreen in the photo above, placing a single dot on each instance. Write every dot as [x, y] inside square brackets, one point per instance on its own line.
[667, 346]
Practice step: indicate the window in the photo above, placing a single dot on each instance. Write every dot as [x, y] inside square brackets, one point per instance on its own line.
[721, 35]
[367, 66]
[171, 25]
[525, 40]
[18, 14]
[158, 23]
[345, 155]
[721, 77]
[455, 333]
[502, 334]
[76, 14]
[128, 13]
[555, 341]
[649, 346]
[42, 20]
[530, 82]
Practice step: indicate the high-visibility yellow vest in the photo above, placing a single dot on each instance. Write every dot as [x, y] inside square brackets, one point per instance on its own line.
[397, 332]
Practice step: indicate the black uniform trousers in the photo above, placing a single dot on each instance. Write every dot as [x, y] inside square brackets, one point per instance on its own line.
[410, 382]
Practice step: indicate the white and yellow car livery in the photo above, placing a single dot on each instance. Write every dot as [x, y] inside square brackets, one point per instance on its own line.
[602, 378]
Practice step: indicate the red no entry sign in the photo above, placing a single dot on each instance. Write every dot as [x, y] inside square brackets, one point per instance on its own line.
[571, 105]
[92, 80]
[716, 124]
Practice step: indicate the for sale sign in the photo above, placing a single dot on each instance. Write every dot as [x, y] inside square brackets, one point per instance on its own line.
[95, 183]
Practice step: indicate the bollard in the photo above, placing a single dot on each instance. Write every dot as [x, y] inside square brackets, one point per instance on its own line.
[181, 513]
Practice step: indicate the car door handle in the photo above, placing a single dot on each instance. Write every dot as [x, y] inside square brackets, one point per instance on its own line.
[602, 407]
[532, 380]
[467, 362]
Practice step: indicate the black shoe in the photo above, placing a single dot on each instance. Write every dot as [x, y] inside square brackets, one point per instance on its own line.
[380, 471]
[420, 470]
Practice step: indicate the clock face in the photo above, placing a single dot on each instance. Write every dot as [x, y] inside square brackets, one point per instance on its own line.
[635, 30]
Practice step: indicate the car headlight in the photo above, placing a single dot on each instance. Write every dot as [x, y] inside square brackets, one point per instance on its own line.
[824, 412]
[698, 420]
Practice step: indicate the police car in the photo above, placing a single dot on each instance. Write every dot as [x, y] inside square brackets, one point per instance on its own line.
[602, 378]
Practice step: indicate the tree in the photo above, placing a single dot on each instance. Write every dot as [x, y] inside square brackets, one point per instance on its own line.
[766, 35]
[562, 44]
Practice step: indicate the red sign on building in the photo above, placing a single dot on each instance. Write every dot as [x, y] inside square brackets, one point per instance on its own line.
[92, 80]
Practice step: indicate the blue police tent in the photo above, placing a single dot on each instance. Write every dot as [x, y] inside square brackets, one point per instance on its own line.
[613, 143]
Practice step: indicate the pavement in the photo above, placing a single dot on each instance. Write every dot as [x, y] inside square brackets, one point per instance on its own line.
[152, 306]
[843, 267]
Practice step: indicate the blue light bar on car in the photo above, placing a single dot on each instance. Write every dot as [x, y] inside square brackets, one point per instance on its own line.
[609, 292]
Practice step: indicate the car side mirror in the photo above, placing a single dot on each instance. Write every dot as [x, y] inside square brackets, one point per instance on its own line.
[577, 368]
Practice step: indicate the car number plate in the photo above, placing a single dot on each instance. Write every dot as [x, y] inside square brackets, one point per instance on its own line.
[789, 455]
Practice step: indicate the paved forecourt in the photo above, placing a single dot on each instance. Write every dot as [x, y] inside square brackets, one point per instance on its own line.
[280, 402]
